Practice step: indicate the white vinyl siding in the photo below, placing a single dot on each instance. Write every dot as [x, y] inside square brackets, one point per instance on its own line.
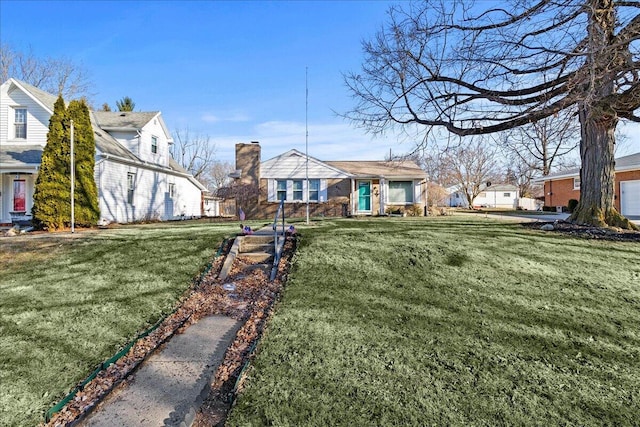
[151, 196]
[37, 118]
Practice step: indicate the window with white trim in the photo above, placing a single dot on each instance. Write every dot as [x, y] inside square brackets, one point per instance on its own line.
[298, 194]
[314, 190]
[576, 183]
[506, 194]
[172, 190]
[131, 185]
[281, 190]
[400, 192]
[20, 123]
[154, 144]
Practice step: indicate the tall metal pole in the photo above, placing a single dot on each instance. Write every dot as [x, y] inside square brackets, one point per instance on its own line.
[306, 140]
[73, 183]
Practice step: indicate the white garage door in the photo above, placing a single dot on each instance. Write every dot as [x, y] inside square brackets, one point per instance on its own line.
[630, 198]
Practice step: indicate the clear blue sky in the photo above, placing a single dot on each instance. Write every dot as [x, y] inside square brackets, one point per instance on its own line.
[232, 70]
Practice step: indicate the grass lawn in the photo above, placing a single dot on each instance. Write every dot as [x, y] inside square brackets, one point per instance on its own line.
[450, 321]
[68, 303]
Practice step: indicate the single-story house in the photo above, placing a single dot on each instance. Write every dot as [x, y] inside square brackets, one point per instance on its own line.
[333, 188]
[560, 187]
[136, 176]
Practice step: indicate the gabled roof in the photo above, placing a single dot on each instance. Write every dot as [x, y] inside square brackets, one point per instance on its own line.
[383, 169]
[124, 120]
[45, 99]
[625, 163]
[293, 164]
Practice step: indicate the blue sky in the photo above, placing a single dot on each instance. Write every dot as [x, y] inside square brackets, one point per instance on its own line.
[232, 70]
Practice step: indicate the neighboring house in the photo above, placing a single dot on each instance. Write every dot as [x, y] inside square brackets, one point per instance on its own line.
[335, 188]
[560, 187]
[501, 196]
[136, 177]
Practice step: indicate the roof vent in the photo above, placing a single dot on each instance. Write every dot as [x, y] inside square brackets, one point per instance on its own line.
[123, 114]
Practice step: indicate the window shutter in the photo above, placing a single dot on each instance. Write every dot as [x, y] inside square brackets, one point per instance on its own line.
[417, 194]
[323, 191]
[271, 190]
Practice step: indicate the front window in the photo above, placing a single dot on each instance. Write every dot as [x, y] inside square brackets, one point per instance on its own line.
[281, 190]
[172, 190]
[131, 185]
[154, 145]
[314, 190]
[506, 194]
[400, 192]
[483, 195]
[297, 190]
[576, 183]
[21, 123]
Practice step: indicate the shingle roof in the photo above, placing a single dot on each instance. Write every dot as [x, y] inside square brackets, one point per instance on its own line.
[107, 144]
[45, 98]
[386, 169]
[20, 155]
[123, 119]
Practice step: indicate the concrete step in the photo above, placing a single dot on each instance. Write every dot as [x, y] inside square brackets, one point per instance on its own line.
[256, 247]
[257, 257]
[258, 238]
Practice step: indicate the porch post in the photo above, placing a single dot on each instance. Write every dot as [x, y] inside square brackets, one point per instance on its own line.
[353, 196]
[382, 195]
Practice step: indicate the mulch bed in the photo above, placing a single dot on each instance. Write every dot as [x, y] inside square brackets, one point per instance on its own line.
[588, 231]
[250, 301]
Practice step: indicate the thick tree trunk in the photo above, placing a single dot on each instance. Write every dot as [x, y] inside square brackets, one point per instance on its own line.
[598, 122]
[597, 175]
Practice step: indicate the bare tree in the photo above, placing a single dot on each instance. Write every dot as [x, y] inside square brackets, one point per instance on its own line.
[451, 65]
[543, 144]
[471, 166]
[194, 152]
[60, 76]
[217, 176]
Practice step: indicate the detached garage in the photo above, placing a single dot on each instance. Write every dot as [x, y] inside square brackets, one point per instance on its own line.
[560, 187]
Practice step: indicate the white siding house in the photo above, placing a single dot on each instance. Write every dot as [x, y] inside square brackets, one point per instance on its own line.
[136, 177]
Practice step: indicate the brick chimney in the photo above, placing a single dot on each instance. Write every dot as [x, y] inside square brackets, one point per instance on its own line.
[248, 162]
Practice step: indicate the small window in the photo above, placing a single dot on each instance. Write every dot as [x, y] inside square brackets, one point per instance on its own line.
[131, 184]
[400, 192]
[314, 190]
[483, 195]
[297, 190]
[172, 191]
[154, 145]
[281, 190]
[21, 123]
[506, 195]
[576, 183]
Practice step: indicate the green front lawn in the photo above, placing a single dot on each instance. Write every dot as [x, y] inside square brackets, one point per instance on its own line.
[67, 304]
[450, 321]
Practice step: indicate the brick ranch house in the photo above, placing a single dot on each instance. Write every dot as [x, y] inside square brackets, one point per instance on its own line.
[335, 188]
[560, 187]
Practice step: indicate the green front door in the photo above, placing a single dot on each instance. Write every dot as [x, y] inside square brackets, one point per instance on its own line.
[364, 196]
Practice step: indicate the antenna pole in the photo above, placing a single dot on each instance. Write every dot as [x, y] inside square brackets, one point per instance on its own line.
[306, 140]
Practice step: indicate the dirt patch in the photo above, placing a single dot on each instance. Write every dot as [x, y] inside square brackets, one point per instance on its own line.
[587, 231]
[246, 295]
